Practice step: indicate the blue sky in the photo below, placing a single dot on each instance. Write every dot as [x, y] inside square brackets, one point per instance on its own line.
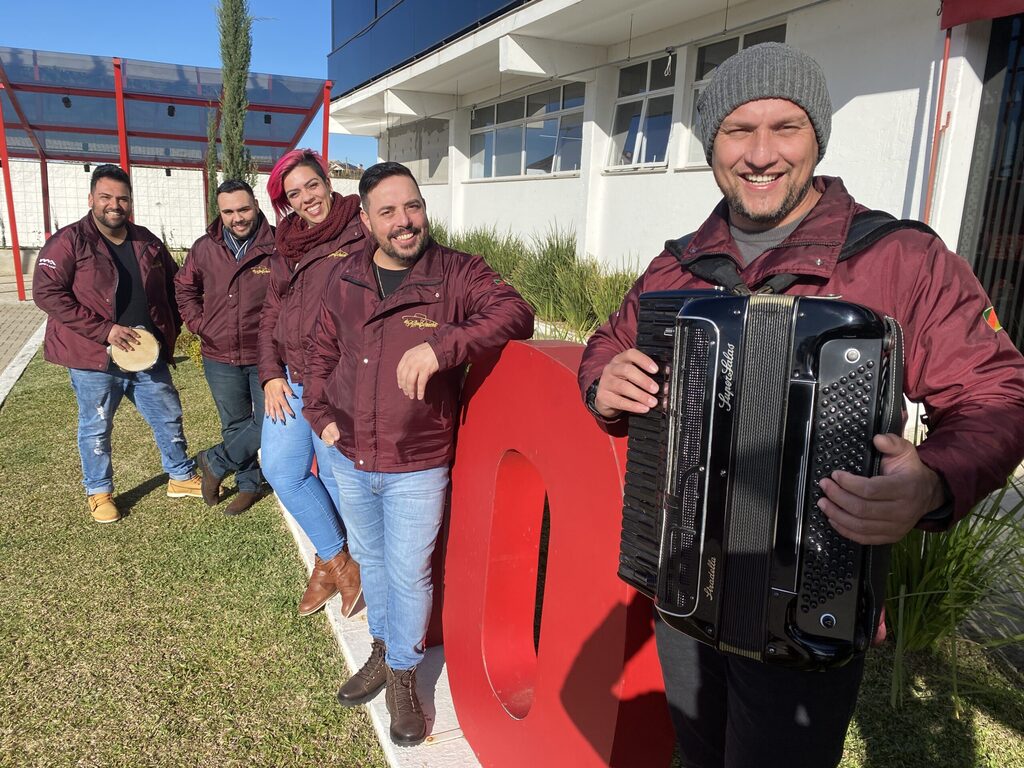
[288, 39]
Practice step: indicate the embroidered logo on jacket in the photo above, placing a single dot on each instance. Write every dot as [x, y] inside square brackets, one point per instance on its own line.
[47, 263]
[991, 319]
[419, 320]
[337, 255]
[260, 270]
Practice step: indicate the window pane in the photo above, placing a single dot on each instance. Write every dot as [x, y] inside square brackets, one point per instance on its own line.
[659, 79]
[543, 102]
[770, 35]
[710, 56]
[510, 110]
[657, 126]
[481, 117]
[695, 153]
[624, 130]
[540, 146]
[570, 143]
[633, 80]
[572, 95]
[508, 151]
[481, 155]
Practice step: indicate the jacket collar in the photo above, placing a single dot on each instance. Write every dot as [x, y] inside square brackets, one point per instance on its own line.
[812, 249]
[428, 269]
[262, 237]
[94, 238]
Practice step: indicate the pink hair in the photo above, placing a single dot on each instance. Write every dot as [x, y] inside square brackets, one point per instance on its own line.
[289, 162]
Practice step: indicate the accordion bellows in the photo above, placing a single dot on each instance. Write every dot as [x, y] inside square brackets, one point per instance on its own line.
[766, 395]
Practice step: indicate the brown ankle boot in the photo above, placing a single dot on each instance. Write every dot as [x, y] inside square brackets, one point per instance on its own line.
[408, 728]
[370, 678]
[320, 589]
[345, 572]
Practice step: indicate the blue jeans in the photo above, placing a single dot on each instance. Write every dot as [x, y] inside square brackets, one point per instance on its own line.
[393, 519]
[287, 460]
[154, 396]
[238, 395]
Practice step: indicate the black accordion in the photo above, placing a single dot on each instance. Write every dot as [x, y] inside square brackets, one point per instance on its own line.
[766, 395]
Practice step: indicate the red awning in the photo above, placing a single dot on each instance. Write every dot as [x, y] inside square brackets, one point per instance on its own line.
[962, 11]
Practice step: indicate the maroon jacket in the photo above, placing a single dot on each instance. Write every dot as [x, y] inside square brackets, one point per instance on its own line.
[220, 299]
[450, 300]
[969, 378]
[75, 282]
[293, 303]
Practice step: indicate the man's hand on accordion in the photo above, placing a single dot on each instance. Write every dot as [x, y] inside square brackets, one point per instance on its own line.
[626, 386]
[882, 509]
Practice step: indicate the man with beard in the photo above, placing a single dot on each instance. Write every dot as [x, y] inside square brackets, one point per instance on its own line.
[397, 326]
[100, 279]
[220, 291]
[765, 120]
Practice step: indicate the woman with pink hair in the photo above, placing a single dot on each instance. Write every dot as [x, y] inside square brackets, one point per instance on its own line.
[319, 228]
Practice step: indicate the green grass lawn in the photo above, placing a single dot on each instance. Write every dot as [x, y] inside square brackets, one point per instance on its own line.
[170, 638]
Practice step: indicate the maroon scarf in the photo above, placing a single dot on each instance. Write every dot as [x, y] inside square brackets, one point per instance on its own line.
[295, 238]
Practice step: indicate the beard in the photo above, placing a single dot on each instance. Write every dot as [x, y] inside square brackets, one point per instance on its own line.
[768, 218]
[406, 259]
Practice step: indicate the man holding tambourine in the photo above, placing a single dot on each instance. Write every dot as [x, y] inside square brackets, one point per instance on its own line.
[108, 288]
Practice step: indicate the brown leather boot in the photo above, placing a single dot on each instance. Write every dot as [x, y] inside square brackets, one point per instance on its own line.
[367, 682]
[211, 481]
[408, 728]
[242, 501]
[320, 589]
[345, 572]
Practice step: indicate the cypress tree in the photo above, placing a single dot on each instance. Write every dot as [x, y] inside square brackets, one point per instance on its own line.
[211, 168]
[235, 52]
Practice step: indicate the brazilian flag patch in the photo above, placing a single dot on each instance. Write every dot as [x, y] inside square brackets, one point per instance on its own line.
[991, 319]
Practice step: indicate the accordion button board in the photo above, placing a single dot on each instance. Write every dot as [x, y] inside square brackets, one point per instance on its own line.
[765, 395]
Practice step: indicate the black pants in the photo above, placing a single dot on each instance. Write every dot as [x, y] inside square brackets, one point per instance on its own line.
[731, 712]
[238, 396]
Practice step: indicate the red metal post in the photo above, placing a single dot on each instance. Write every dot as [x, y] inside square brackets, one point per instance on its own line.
[327, 116]
[122, 130]
[936, 136]
[9, 190]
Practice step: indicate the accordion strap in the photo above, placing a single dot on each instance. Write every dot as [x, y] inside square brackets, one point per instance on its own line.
[866, 229]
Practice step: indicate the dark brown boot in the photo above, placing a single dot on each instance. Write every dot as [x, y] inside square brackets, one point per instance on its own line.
[242, 501]
[367, 682]
[211, 482]
[320, 589]
[345, 572]
[408, 728]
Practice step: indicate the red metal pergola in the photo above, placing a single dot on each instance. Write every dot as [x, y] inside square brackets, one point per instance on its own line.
[97, 109]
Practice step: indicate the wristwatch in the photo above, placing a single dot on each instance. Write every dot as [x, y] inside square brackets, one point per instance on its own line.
[590, 399]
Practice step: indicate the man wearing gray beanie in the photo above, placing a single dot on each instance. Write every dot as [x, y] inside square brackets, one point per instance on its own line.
[765, 120]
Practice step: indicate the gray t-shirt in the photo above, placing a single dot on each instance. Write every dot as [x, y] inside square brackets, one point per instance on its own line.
[753, 244]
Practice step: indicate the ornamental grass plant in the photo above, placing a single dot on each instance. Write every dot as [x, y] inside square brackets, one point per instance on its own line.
[571, 295]
[937, 579]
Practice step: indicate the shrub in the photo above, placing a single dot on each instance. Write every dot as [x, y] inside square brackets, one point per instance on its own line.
[937, 579]
[609, 290]
[536, 275]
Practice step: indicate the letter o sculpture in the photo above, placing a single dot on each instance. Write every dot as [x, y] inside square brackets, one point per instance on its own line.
[590, 693]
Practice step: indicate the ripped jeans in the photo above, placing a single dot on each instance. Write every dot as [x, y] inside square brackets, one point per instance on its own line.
[154, 396]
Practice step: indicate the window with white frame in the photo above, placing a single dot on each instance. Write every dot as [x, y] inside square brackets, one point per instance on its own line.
[536, 134]
[643, 113]
[709, 57]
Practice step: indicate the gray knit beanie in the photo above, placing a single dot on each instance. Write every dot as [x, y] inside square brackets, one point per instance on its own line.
[766, 71]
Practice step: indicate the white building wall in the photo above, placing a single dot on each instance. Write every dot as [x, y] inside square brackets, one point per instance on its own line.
[882, 61]
[172, 207]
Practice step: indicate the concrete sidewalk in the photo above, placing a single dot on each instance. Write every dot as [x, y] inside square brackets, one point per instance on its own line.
[21, 333]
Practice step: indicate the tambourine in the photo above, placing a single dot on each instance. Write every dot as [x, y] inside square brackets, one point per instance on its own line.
[144, 356]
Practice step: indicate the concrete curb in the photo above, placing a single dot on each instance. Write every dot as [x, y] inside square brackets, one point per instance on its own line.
[21, 360]
[445, 746]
